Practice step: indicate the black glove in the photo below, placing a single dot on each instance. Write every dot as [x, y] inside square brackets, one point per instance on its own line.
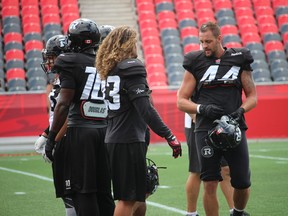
[50, 145]
[237, 115]
[211, 111]
[175, 145]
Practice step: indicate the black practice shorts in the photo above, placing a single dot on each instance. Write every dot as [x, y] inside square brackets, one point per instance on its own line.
[194, 161]
[237, 159]
[81, 162]
[128, 165]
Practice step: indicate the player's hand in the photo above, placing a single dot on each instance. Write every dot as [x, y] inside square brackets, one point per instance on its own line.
[39, 145]
[211, 111]
[49, 147]
[237, 115]
[175, 145]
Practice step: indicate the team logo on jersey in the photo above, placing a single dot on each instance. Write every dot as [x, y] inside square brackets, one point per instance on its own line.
[235, 54]
[217, 61]
[139, 91]
[207, 152]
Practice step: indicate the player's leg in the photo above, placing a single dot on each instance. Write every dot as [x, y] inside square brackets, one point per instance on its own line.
[193, 181]
[86, 204]
[139, 209]
[69, 206]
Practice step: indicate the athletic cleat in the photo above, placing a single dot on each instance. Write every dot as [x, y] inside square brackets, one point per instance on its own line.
[243, 214]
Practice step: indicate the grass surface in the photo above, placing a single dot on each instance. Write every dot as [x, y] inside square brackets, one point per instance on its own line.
[27, 187]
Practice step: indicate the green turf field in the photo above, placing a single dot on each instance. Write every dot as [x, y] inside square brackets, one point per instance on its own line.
[27, 188]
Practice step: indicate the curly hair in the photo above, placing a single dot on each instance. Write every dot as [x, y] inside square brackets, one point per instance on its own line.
[120, 44]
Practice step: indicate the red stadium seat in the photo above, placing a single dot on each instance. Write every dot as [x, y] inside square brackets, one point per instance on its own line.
[51, 18]
[10, 11]
[154, 59]
[149, 32]
[243, 11]
[183, 6]
[148, 24]
[143, 1]
[15, 73]
[260, 11]
[202, 4]
[29, 10]
[161, 1]
[221, 4]
[191, 47]
[50, 9]
[14, 54]
[33, 44]
[167, 23]
[152, 49]
[273, 45]
[248, 28]
[187, 14]
[154, 69]
[268, 28]
[282, 19]
[229, 29]
[13, 36]
[157, 77]
[6, 3]
[279, 3]
[244, 20]
[31, 18]
[266, 19]
[233, 45]
[250, 37]
[261, 3]
[25, 3]
[189, 31]
[242, 3]
[31, 27]
[145, 6]
[166, 15]
[151, 41]
[63, 2]
[146, 15]
[48, 2]
[69, 8]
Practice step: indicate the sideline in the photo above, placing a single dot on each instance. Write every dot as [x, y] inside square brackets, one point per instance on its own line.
[51, 180]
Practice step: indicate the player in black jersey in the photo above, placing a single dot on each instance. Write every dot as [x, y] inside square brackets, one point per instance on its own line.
[130, 111]
[86, 176]
[54, 47]
[218, 75]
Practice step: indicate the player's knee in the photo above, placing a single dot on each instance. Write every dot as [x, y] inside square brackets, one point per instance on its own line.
[241, 183]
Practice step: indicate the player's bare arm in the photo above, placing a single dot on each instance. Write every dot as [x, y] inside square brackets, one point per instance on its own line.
[249, 90]
[185, 93]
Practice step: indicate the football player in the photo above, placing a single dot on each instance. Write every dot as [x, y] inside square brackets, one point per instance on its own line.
[54, 47]
[217, 75]
[130, 111]
[86, 176]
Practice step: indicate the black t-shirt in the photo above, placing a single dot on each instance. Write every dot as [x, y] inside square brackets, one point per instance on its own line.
[218, 81]
[77, 72]
[130, 109]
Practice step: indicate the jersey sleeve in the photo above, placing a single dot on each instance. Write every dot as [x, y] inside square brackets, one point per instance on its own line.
[188, 62]
[248, 59]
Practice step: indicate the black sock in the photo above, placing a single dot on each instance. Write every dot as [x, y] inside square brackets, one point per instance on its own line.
[237, 212]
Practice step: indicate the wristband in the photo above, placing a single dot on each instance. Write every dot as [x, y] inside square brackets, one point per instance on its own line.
[198, 108]
[52, 135]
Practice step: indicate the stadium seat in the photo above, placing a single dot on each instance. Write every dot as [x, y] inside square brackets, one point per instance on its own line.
[261, 3]
[271, 37]
[175, 79]
[6, 3]
[282, 19]
[281, 11]
[2, 73]
[31, 18]
[149, 32]
[258, 54]
[50, 9]
[154, 59]
[233, 44]
[267, 28]
[145, 6]
[14, 54]
[202, 4]
[174, 58]
[164, 6]
[222, 5]
[13, 45]
[279, 3]
[250, 38]
[31, 27]
[52, 27]
[261, 75]
[285, 38]
[205, 14]
[63, 2]
[48, 2]
[13, 36]
[155, 68]
[278, 63]
[153, 49]
[266, 19]
[162, 15]
[2, 84]
[175, 67]
[186, 14]
[12, 27]
[189, 31]
[226, 20]
[15, 73]
[190, 39]
[14, 63]
[169, 32]
[229, 29]
[30, 10]
[183, 6]
[32, 36]
[259, 63]
[167, 23]
[11, 19]
[276, 54]
[146, 15]
[243, 11]
[263, 10]
[171, 40]
[157, 77]
[33, 53]
[151, 41]
[280, 75]
[284, 28]
[144, 24]
[50, 19]
[33, 44]
[33, 63]
[172, 48]
[10, 11]
[273, 45]
[187, 23]
[35, 72]
[37, 83]
[224, 12]
[242, 3]
[191, 47]
[244, 20]
[69, 8]
[25, 3]
[16, 84]
[231, 38]
[248, 29]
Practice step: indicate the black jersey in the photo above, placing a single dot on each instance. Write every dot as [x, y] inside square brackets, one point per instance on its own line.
[130, 110]
[77, 72]
[218, 80]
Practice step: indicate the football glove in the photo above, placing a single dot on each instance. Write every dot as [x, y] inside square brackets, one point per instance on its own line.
[211, 111]
[39, 145]
[49, 147]
[237, 115]
[175, 145]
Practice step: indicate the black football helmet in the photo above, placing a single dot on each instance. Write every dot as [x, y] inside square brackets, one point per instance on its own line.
[225, 133]
[105, 30]
[152, 177]
[55, 46]
[83, 34]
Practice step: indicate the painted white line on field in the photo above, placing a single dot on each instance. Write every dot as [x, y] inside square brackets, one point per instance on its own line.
[27, 174]
[268, 157]
[49, 179]
[166, 207]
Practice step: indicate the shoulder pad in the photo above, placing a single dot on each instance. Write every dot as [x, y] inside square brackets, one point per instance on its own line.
[190, 58]
[131, 67]
[128, 63]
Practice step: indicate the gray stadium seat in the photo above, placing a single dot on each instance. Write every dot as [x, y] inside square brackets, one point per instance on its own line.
[169, 32]
[276, 54]
[261, 75]
[32, 36]
[171, 40]
[258, 54]
[12, 27]
[37, 83]
[226, 20]
[189, 40]
[16, 85]
[34, 53]
[14, 63]
[278, 63]
[187, 22]
[231, 38]
[259, 64]
[13, 45]
[271, 36]
[224, 12]
[35, 72]
[175, 78]
[33, 62]
[280, 75]
[174, 58]
[281, 10]
[162, 6]
[172, 48]
[176, 67]
[11, 19]
[255, 46]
